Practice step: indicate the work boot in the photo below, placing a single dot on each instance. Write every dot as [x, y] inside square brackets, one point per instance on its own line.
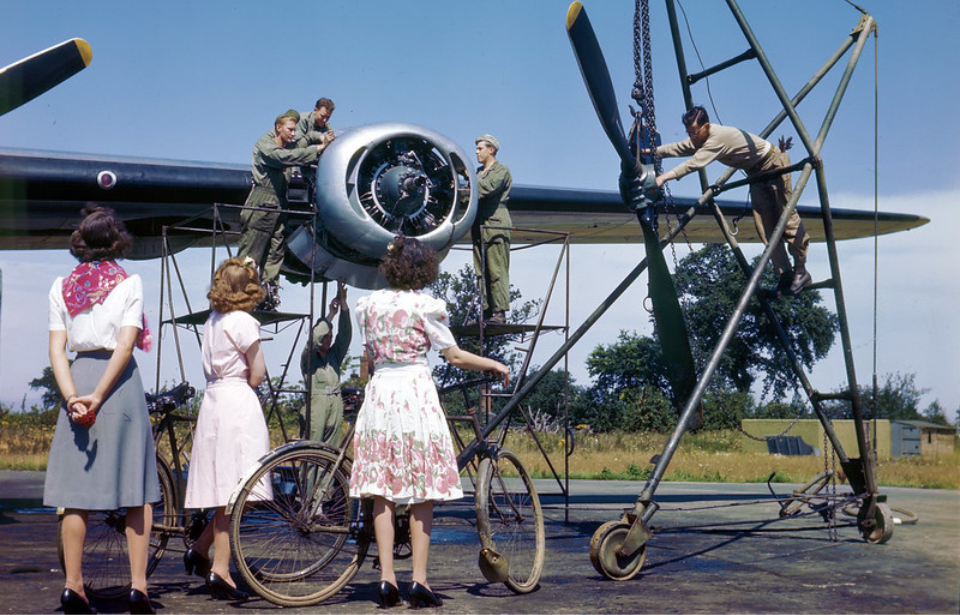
[497, 318]
[786, 279]
[801, 279]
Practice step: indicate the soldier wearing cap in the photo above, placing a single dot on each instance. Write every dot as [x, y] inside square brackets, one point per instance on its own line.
[491, 230]
[262, 224]
[321, 363]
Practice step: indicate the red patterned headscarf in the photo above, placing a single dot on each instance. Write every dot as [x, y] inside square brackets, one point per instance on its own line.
[90, 283]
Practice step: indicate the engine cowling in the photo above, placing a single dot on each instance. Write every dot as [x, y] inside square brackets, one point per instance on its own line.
[374, 183]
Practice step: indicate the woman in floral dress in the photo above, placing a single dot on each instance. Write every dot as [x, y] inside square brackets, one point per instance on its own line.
[402, 445]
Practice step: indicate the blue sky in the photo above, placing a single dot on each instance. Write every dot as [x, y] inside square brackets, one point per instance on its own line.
[203, 80]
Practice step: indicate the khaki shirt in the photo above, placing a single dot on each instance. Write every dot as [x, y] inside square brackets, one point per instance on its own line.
[270, 163]
[730, 146]
[493, 190]
[325, 372]
[307, 129]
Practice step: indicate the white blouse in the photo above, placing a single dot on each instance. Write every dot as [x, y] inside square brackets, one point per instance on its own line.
[98, 326]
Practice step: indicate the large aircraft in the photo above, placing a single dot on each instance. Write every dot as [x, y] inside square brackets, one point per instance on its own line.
[373, 182]
[379, 180]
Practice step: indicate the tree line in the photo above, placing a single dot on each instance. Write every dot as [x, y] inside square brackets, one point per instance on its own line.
[630, 389]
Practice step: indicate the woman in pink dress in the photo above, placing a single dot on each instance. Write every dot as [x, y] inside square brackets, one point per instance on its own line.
[402, 444]
[231, 432]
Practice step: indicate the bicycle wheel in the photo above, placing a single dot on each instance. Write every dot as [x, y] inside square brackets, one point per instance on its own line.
[308, 540]
[510, 520]
[106, 565]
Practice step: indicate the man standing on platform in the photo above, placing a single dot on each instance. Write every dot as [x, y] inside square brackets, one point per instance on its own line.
[262, 224]
[493, 189]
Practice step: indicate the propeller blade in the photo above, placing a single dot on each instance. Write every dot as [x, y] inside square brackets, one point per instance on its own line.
[593, 68]
[671, 326]
[31, 77]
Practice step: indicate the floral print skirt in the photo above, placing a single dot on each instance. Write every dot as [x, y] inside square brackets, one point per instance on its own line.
[402, 446]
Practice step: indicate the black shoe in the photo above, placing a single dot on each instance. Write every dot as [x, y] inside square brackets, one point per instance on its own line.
[72, 602]
[139, 602]
[389, 595]
[221, 590]
[194, 563]
[801, 279]
[421, 596]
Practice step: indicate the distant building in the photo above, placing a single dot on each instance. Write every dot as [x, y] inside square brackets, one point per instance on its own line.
[893, 438]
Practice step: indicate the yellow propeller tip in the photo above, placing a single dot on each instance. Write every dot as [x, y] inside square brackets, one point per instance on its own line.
[84, 48]
[573, 12]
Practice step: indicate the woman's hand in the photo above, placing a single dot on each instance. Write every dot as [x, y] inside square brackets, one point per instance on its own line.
[80, 412]
[502, 370]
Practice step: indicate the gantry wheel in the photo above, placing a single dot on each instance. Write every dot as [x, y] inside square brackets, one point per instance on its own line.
[106, 565]
[604, 552]
[882, 528]
[510, 520]
[304, 543]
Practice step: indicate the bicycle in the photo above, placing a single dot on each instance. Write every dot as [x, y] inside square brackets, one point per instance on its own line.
[106, 564]
[306, 542]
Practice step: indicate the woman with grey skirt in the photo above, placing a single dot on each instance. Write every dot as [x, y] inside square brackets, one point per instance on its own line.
[102, 456]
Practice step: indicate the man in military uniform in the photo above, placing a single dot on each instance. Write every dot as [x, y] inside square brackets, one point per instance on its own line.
[262, 224]
[320, 363]
[314, 125]
[493, 189]
[742, 150]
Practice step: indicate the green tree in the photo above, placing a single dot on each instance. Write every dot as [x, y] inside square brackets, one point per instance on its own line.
[898, 398]
[710, 283]
[547, 398]
[48, 384]
[936, 414]
[460, 291]
[630, 379]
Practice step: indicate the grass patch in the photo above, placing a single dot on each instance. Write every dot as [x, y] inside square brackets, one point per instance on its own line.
[712, 456]
[708, 456]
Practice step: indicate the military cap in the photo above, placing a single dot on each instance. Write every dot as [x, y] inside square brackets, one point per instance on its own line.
[492, 140]
[291, 113]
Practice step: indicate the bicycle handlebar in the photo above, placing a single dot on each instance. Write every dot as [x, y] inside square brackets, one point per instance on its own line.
[168, 400]
[467, 383]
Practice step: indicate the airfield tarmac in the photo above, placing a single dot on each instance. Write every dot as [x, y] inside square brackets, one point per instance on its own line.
[764, 567]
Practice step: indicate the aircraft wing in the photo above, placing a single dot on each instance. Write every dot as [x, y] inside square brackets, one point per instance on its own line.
[598, 216]
[42, 193]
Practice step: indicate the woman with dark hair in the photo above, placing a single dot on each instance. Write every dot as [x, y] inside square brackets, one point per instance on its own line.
[102, 455]
[403, 452]
[231, 432]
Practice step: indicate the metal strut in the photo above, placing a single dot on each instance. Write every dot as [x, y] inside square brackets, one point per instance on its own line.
[860, 471]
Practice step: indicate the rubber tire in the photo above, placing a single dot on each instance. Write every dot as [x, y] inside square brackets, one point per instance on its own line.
[497, 502]
[284, 558]
[883, 530]
[604, 545]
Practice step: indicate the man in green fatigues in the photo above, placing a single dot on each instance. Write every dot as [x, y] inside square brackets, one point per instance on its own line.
[262, 225]
[742, 150]
[320, 364]
[493, 189]
[314, 125]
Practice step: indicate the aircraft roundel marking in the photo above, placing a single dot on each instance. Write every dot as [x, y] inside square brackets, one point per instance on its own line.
[106, 179]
